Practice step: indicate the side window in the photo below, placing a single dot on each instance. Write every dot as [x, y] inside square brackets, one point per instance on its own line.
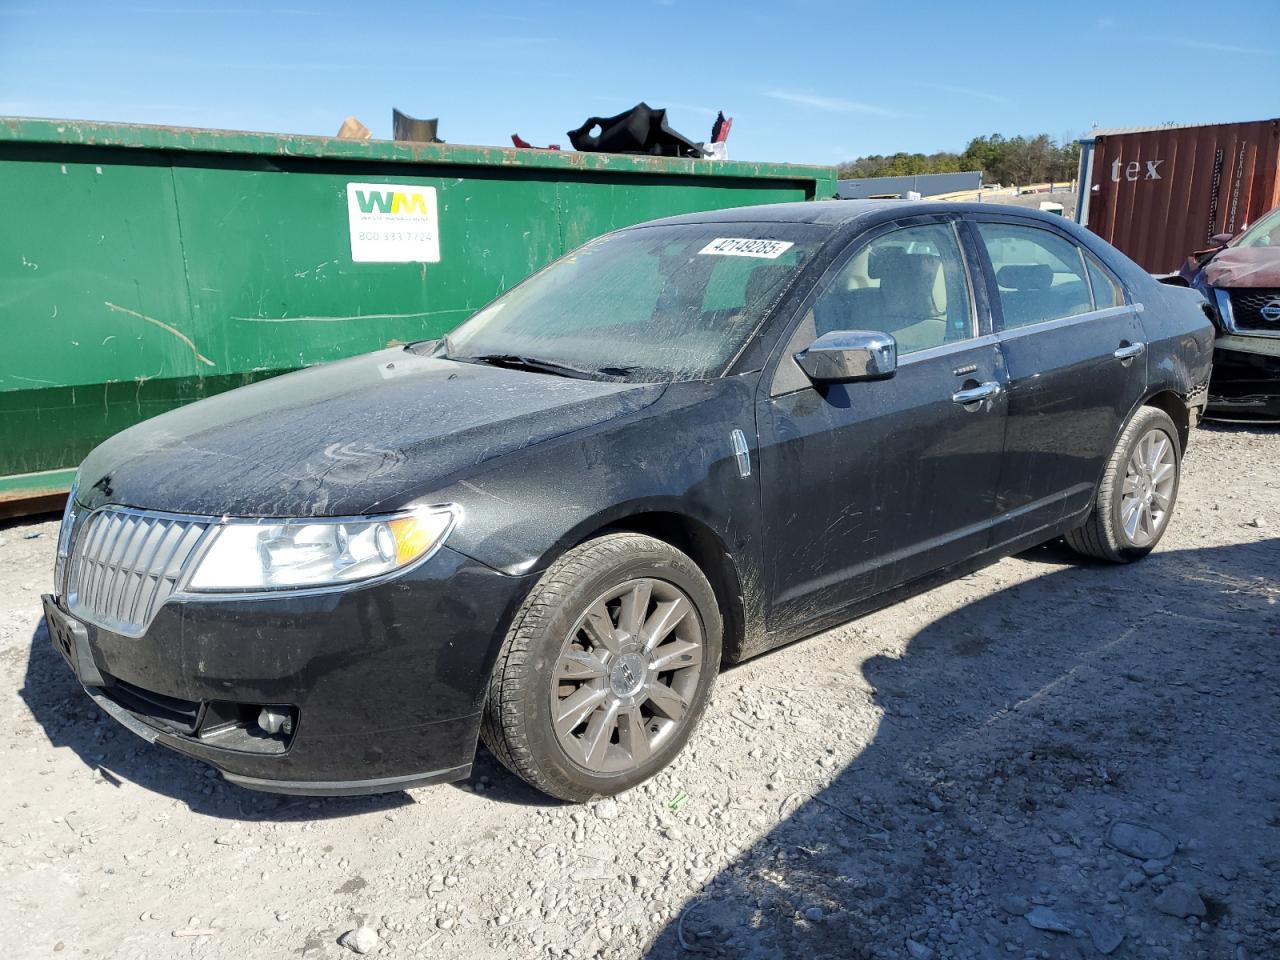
[1106, 292]
[1040, 275]
[910, 283]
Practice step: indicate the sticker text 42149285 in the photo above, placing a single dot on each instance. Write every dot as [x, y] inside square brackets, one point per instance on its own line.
[746, 247]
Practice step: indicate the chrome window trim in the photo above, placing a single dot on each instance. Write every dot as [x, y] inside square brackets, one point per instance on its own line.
[945, 349]
[1059, 322]
[990, 339]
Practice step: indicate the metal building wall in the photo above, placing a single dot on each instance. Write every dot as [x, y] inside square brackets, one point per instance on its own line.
[925, 184]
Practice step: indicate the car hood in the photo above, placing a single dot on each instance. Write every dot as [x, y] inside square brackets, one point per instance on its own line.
[1244, 267]
[344, 438]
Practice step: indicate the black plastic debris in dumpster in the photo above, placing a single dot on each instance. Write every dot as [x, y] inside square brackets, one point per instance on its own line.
[641, 129]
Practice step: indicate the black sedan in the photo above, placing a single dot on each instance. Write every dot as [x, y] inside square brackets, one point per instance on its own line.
[683, 444]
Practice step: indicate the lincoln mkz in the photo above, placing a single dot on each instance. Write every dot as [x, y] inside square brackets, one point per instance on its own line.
[683, 444]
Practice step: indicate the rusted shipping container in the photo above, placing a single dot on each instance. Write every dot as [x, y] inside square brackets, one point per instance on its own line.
[1160, 193]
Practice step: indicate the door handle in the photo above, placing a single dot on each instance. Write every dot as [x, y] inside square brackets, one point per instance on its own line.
[985, 391]
[1129, 351]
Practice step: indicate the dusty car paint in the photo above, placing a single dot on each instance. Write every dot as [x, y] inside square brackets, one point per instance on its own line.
[341, 438]
[853, 494]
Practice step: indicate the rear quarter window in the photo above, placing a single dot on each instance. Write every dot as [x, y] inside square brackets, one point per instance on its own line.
[1106, 292]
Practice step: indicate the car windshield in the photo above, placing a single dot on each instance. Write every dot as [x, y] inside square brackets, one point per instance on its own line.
[1264, 233]
[647, 304]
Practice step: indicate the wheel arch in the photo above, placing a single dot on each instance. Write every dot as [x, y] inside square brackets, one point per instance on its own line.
[1169, 402]
[705, 548]
[1176, 408]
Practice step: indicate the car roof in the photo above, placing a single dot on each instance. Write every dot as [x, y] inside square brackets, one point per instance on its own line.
[838, 213]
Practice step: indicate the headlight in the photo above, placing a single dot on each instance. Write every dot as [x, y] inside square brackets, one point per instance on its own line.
[64, 536]
[262, 555]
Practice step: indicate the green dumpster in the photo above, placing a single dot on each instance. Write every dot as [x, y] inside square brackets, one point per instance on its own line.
[145, 267]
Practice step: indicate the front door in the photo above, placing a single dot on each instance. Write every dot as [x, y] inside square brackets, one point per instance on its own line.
[868, 485]
[1075, 351]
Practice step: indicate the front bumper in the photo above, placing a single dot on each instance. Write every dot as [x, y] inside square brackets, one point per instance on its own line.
[1246, 379]
[383, 684]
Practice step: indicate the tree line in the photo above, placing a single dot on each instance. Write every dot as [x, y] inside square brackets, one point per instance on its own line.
[1009, 161]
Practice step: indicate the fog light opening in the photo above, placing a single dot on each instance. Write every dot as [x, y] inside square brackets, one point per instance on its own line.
[274, 720]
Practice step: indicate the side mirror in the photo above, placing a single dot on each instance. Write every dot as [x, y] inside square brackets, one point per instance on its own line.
[1221, 239]
[843, 356]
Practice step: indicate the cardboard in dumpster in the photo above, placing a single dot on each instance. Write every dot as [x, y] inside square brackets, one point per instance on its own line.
[353, 129]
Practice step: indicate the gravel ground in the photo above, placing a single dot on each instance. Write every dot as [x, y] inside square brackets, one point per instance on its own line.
[1043, 759]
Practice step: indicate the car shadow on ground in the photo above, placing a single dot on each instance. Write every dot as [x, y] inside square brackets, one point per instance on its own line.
[1014, 730]
[500, 785]
[70, 719]
[1239, 426]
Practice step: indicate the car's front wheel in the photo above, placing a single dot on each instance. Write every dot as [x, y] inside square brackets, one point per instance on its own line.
[1139, 487]
[606, 668]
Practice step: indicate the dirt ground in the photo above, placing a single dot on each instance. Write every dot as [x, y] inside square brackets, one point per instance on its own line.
[1042, 760]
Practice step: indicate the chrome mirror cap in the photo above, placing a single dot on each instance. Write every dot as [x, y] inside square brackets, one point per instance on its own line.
[843, 356]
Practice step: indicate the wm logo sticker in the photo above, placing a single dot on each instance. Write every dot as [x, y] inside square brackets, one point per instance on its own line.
[393, 223]
[391, 201]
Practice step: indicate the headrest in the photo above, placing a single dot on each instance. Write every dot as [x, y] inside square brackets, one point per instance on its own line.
[925, 264]
[1025, 276]
[884, 260]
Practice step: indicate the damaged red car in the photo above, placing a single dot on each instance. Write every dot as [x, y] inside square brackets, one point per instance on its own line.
[1241, 277]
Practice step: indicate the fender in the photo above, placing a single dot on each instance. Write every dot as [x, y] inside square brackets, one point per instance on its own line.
[676, 456]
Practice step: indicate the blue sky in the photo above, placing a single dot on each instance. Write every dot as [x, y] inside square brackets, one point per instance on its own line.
[802, 81]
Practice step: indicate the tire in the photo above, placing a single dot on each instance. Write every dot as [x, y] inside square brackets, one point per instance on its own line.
[1110, 533]
[557, 646]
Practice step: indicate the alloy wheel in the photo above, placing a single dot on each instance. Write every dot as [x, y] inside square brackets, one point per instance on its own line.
[626, 675]
[1147, 494]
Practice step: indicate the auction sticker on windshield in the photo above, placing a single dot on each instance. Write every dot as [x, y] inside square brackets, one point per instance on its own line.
[746, 247]
[393, 223]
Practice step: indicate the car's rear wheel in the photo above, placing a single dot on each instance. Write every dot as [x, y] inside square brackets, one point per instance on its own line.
[606, 668]
[1139, 487]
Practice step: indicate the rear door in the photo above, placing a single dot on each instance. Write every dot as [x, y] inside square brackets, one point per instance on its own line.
[868, 485]
[1075, 353]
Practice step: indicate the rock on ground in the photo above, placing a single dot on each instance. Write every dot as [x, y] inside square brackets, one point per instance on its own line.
[359, 940]
[1180, 900]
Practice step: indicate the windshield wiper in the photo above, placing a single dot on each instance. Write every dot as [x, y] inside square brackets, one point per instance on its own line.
[515, 361]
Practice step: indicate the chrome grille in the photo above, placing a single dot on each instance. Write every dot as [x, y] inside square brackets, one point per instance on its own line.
[126, 563]
[1256, 310]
